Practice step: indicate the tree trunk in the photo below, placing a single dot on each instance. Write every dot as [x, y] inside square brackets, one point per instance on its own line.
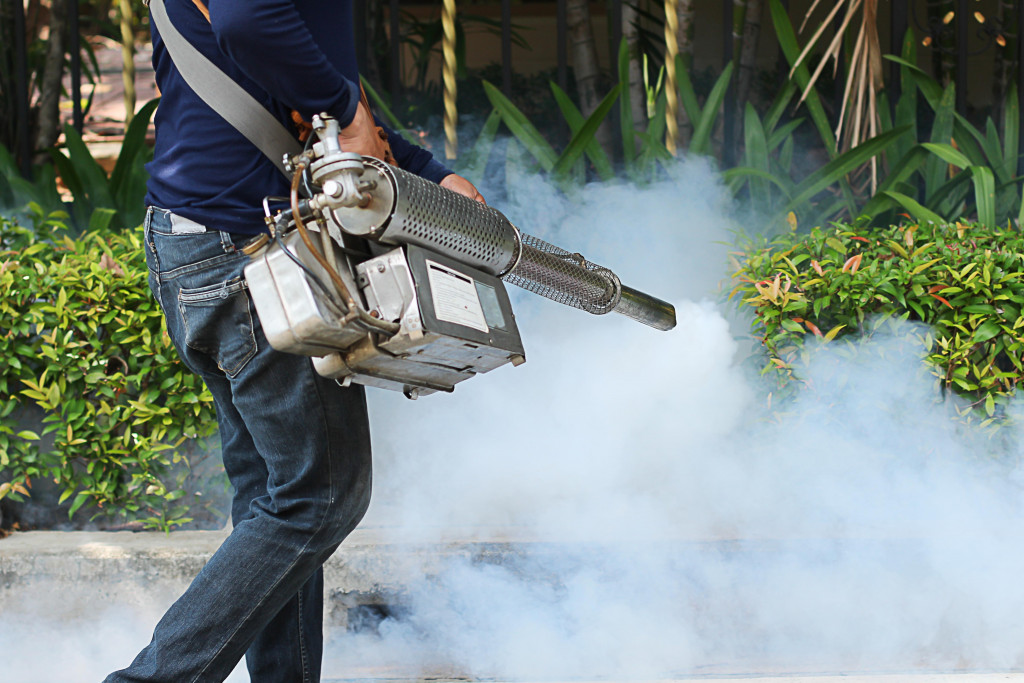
[684, 36]
[35, 17]
[53, 71]
[586, 69]
[128, 58]
[636, 94]
[583, 48]
[748, 56]
[7, 78]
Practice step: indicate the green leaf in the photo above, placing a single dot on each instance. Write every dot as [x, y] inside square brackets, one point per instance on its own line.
[919, 213]
[984, 195]
[783, 134]
[380, 105]
[900, 172]
[132, 147]
[935, 172]
[837, 169]
[687, 94]
[62, 300]
[986, 331]
[1020, 215]
[994, 152]
[948, 154]
[585, 136]
[102, 219]
[802, 76]
[928, 86]
[1011, 134]
[474, 163]
[778, 107]
[700, 142]
[740, 172]
[521, 128]
[947, 199]
[69, 176]
[575, 119]
[78, 502]
[94, 179]
[756, 150]
[626, 122]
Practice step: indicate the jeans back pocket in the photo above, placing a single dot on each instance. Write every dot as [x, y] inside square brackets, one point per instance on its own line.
[218, 322]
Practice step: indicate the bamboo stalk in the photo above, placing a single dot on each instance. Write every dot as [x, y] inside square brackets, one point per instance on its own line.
[128, 57]
[451, 144]
[671, 82]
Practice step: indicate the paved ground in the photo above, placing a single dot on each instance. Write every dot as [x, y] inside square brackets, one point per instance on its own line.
[969, 677]
[963, 677]
[65, 575]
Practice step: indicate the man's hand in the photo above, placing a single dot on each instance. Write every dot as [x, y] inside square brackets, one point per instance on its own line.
[457, 183]
[361, 135]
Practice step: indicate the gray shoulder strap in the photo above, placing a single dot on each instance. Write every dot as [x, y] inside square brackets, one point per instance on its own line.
[223, 95]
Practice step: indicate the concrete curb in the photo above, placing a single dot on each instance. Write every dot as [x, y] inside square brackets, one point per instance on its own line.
[143, 569]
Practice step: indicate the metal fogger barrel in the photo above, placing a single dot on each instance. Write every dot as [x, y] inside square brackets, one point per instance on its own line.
[406, 209]
[392, 281]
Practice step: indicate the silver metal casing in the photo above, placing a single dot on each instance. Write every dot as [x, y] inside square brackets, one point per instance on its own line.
[456, 322]
[296, 314]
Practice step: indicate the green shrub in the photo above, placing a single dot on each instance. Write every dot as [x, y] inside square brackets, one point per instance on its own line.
[82, 340]
[964, 281]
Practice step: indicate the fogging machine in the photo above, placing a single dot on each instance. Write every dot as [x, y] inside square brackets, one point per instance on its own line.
[392, 281]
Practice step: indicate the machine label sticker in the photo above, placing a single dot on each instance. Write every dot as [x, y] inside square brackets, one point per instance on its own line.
[455, 298]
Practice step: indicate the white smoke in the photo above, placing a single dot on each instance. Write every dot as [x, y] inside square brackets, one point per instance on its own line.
[670, 521]
[677, 524]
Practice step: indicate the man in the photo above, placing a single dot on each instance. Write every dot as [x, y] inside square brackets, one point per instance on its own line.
[296, 447]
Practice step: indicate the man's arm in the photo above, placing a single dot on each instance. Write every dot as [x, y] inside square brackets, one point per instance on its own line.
[271, 43]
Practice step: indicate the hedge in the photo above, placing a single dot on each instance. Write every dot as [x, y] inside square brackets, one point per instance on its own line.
[964, 281]
[83, 341]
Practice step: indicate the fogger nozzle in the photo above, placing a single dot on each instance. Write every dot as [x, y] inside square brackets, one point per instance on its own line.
[406, 209]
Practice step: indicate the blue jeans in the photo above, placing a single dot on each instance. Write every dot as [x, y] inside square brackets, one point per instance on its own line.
[296, 448]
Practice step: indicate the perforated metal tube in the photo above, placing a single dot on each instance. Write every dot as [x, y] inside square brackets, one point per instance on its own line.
[407, 209]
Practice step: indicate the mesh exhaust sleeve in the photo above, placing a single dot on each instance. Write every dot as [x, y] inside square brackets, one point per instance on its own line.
[564, 277]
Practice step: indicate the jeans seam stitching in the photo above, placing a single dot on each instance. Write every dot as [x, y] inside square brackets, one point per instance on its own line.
[200, 266]
[304, 658]
[315, 534]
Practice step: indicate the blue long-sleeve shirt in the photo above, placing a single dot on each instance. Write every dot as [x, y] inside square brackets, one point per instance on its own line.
[289, 55]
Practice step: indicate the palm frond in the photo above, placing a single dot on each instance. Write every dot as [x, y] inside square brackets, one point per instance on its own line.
[858, 119]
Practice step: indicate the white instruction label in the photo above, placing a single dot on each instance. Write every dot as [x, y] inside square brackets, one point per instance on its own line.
[455, 298]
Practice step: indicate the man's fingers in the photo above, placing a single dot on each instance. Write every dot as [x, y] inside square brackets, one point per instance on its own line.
[457, 183]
